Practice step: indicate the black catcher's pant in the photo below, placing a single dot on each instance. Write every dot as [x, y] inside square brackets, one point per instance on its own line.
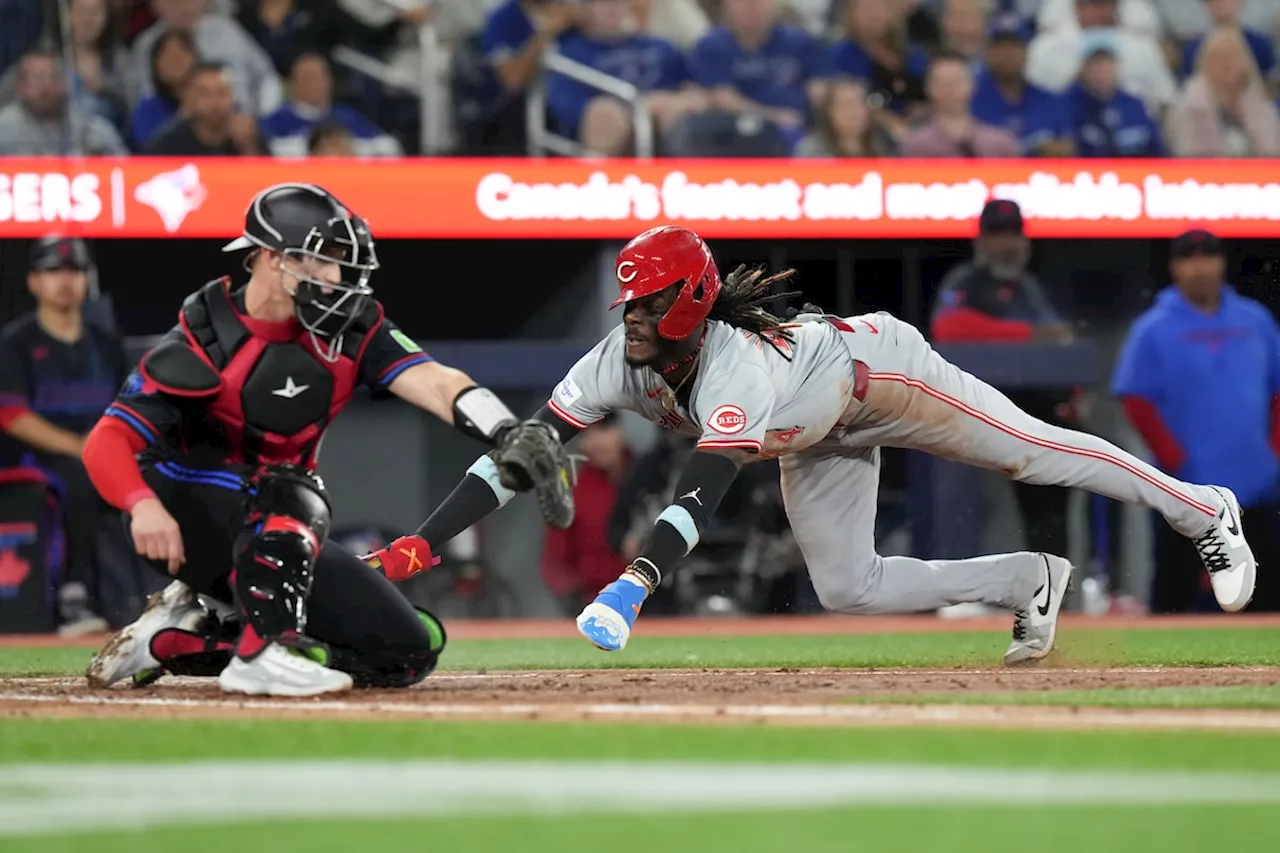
[370, 627]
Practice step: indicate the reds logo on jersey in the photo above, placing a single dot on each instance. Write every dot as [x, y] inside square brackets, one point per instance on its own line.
[728, 420]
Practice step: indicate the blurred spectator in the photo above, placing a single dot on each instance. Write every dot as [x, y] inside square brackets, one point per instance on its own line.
[1137, 16]
[1200, 380]
[921, 24]
[1224, 110]
[311, 103]
[24, 25]
[753, 65]
[104, 82]
[876, 50]
[577, 562]
[681, 22]
[1189, 19]
[42, 123]
[844, 127]
[253, 78]
[1003, 97]
[288, 28]
[1105, 121]
[951, 130]
[517, 33]
[1226, 15]
[606, 43]
[173, 59]
[995, 298]
[1054, 58]
[812, 16]
[209, 125]
[330, 140]
[964, 24]
[58, 372]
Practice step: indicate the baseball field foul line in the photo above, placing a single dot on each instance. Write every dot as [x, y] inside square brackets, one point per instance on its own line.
[59, 799]
[1002, 716]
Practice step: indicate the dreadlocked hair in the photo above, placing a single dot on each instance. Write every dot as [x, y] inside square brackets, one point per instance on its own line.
[739, 302]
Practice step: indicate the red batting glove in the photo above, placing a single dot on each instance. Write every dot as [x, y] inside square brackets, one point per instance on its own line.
[403, 558]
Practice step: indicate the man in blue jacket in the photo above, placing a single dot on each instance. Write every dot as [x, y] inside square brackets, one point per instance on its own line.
[1105, 121]
[1199, 377]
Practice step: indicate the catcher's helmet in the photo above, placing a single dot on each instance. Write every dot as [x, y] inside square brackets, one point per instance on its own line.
[304, 220]
[664, 257]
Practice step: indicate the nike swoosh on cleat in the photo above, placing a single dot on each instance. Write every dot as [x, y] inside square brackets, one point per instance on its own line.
[1044, 610]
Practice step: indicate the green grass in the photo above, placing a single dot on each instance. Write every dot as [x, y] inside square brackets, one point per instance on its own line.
[1092, 647]
[981, 829]
[1252, 696]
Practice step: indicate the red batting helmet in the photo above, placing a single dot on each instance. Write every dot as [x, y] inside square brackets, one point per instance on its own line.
[660, 258]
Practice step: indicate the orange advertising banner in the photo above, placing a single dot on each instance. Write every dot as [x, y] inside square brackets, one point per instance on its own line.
[445, 198]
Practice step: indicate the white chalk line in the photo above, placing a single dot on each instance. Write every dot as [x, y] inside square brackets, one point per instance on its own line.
[852, 714]
[59, 799]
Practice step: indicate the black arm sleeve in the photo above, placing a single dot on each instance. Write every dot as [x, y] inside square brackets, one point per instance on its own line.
[563, 428]
[701, 488]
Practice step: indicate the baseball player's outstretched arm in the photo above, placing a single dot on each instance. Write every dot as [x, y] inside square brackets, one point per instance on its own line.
[701, 487]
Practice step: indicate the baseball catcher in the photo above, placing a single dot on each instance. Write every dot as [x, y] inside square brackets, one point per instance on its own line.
[823, 393]
[211, 447]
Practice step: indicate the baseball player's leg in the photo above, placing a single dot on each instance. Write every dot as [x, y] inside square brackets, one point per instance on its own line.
[917, 399]
[830, 500]
[372, 631]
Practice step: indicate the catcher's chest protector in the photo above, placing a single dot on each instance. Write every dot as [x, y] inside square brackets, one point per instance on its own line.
[278, 395]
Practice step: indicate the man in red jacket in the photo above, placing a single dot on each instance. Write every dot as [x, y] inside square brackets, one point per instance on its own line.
[995, 298]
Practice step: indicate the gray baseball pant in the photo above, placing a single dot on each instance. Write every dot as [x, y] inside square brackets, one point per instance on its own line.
[915, 399]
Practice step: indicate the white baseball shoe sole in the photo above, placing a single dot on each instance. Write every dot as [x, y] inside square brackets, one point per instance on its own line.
[277, 671]
[1035, 628]
[1227, 557]
[129, 651]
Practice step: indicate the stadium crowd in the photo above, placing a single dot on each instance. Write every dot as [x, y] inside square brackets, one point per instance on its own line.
[814, 78]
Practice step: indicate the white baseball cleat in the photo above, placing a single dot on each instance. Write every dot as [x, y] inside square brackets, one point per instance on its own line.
[278, 671]
[1227, 556]
[128, 653]
[1034, 628]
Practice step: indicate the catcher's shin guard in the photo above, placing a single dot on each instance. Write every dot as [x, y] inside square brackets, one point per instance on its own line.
[276, 557]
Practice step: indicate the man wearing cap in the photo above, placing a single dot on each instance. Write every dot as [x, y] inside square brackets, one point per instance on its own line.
[1199, 377]
[995, 298]
[58, 372]
[1106, 121]
[1055, 57]
[1003, 97]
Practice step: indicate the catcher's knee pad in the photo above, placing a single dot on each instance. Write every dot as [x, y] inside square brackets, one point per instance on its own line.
[275, 561]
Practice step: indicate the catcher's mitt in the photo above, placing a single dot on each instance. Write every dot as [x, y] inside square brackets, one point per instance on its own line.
[531, 456]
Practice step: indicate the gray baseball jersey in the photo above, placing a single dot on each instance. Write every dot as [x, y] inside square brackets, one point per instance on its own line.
[847, 388]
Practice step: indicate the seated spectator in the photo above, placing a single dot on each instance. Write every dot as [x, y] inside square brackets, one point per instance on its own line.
[517, 33]
[1004, 98]
[1189, 19]
[1139, 17]
[173, 58]
[1224, 110]
[876, 50]
[104, 82]
[40, 122]
[844, 127]
[254, 81]
[753, 65]
[288, 28]
[330, 140]
[964, 24]
[951, 130]
[311, 103]
[601, 122]
[1227, 13]
[209, 125]
[1054, 58]
[681, 22]
[1106, 121]
[578, 561]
